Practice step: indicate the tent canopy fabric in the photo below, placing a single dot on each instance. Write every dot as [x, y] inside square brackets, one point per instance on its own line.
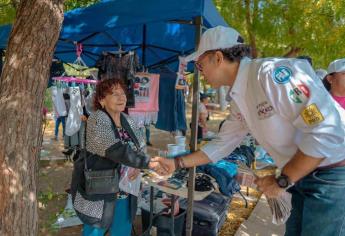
[159, 31]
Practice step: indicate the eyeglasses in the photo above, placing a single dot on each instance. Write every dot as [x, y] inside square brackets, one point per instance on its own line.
[199, 64]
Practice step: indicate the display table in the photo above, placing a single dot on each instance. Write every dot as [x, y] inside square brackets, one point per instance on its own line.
[153, 181]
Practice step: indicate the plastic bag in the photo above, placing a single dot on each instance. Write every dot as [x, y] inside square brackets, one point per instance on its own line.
[127, 185]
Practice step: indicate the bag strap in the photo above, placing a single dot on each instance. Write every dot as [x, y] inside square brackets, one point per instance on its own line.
[84, 152]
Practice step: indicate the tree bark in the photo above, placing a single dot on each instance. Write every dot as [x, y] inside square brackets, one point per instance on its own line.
[22, 85]
[293, 52]
[250, 18]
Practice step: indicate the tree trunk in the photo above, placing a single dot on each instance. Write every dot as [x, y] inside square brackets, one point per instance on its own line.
[250, 18]
[293, 52]
[22, 85]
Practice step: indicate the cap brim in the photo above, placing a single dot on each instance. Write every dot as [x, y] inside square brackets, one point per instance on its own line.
[193, 57]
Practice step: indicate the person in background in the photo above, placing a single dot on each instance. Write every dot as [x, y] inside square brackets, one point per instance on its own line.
[61, 119]
[335, 81]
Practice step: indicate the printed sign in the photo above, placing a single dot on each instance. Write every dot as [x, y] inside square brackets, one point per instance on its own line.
[312, 115]
[142, 88]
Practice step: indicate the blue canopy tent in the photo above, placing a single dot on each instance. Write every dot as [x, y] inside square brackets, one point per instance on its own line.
[159, 31]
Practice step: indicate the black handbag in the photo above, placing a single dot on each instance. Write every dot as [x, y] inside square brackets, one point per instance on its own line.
[100, 181]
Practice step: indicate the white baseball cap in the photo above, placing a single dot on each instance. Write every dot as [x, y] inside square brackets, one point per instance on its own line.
[219, 37]
[336, 66]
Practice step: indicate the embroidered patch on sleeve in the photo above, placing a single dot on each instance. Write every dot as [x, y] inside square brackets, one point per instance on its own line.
[282, 74]
[312, 115]
[299, 93]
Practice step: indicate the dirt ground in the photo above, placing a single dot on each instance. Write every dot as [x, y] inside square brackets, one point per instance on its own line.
[55, 175]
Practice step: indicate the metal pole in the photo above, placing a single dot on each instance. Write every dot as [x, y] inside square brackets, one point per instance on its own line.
[143, 47]
[194, 129]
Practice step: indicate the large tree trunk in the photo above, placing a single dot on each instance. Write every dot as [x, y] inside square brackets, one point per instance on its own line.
[22, 85]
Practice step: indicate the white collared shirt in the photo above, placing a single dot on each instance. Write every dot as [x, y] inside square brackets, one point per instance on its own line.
[284, 105]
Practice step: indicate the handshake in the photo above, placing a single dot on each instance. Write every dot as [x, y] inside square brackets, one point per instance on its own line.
[162, 166]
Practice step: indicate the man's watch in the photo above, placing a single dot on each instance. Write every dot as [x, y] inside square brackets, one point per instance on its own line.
[283, 181]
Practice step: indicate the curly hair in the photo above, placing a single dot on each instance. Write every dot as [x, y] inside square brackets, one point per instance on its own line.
[104, 88]
[236, 53]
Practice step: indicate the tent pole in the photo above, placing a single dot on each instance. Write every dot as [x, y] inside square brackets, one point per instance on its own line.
[194, 137]
[143, 46]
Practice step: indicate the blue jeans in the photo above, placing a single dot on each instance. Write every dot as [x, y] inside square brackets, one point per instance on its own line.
[318, 204]
[121, 226]
[60, 119]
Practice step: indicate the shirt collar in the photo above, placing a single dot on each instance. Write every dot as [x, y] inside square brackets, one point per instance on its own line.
[241, 77]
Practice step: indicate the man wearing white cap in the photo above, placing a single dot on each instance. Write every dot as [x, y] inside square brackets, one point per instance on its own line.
[335, 80]
[285, 106]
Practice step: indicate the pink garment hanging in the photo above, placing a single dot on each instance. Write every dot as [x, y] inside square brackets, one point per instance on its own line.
[151, 104]
[146, 99]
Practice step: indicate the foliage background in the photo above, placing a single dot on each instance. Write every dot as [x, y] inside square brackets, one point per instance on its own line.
[272, 27]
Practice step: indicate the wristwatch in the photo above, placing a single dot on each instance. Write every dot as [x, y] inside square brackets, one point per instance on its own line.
[283, 181]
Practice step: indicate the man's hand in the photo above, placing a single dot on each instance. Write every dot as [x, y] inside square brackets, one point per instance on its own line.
[133, 173]
[268, 185]
[161, 165]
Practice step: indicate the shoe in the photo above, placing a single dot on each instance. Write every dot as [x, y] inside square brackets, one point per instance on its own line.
[149, 144]
[55, 138]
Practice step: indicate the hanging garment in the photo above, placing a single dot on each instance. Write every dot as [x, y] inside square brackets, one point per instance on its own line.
[56, 69]
[89, 102]
[76, 110]
[122, 66]
[58, 101]
[146, 90]
[171, 114]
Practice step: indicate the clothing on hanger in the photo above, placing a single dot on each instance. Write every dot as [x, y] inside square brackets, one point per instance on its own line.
[146, 90]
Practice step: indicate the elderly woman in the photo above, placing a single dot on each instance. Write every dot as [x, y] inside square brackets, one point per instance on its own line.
[112, 135]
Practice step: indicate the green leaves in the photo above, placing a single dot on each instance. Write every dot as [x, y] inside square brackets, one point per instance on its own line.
[315, 28]
[8, 12]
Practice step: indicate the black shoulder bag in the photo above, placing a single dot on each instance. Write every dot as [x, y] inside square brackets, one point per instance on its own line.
[101, 181]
